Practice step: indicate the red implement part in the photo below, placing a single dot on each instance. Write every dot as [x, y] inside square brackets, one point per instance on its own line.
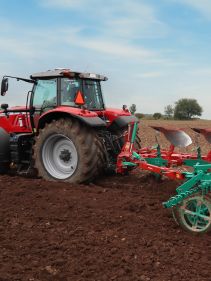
[127, 155]
[179, 137]
[168, 172]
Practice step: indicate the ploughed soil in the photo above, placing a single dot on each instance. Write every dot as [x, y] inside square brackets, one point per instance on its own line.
[112, 229]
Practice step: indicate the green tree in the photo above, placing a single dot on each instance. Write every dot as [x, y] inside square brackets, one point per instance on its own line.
[169, 111]
[185, 109]
[132, 109]
[157, 115]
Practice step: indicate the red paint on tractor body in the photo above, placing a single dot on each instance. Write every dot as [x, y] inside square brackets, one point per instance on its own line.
[110, 114]
[15, 122]
[20, 122]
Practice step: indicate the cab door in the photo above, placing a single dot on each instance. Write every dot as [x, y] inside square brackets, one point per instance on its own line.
[44, 97]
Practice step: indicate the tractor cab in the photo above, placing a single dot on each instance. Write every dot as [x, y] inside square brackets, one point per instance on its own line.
[60, 90]
[62, 87]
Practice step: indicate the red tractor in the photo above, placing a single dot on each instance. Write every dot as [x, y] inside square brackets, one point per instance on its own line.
[64, 132]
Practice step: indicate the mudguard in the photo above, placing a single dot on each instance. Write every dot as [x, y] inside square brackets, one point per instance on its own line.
[122, 122]
[90, 119]
[4, 146]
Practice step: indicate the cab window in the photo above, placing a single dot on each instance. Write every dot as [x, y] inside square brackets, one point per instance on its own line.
[90, 89]
[69, 88]
[45, 94]
[93, 94]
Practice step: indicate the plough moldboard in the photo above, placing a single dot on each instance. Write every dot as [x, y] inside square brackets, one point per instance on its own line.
[192, 204]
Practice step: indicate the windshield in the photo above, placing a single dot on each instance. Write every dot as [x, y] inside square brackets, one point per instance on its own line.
[90, 89]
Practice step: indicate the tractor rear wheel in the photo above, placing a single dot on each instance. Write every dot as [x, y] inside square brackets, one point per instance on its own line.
[194, 214]
[4, 168]
[66, 150]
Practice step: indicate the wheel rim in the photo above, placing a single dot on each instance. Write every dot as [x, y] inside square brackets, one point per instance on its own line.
[195, 213]
[59, 156]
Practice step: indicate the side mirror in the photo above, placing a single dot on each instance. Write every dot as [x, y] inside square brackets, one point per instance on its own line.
[4, 86]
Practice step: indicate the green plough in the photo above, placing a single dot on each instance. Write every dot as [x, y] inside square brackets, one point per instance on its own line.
[192, 204]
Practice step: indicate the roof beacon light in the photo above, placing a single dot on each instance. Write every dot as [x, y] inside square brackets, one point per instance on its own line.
[79, 98]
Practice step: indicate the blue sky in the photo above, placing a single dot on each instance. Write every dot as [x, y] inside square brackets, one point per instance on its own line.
[153, 51]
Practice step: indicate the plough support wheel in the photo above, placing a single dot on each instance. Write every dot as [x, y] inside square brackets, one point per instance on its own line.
[194, 214]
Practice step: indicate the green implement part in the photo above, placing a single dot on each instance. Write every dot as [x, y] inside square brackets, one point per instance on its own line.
[198, 181]
[129, 164]
[158, 161]
[193, 162]
[194, 214]
[192, 205]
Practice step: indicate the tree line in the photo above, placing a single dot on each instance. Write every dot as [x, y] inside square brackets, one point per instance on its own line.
[184, 109]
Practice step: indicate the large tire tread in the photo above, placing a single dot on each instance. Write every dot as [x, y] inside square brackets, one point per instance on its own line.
[87, 145]
[4, 168]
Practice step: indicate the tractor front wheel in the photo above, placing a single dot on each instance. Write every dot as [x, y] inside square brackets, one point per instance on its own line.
[194, 214]
[66, 150]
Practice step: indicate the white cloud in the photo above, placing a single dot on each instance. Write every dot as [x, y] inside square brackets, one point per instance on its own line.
[33, 44]
[121, 18]
[203, 6]
[6, 25]
[203, 72]
[113, 48]
[136, 27]
[19, 48]
[63, 4]
[118, 23]
[146, 75]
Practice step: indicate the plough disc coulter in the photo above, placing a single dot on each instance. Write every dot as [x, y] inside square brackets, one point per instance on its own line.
[192, 204]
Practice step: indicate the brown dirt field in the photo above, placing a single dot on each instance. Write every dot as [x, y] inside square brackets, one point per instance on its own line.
[113, 229]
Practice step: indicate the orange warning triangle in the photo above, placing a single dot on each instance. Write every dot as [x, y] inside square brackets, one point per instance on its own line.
[79, 99]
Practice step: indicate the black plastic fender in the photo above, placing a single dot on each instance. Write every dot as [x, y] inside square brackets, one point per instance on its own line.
[122, 122]
[96, 122]
[92, 121]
